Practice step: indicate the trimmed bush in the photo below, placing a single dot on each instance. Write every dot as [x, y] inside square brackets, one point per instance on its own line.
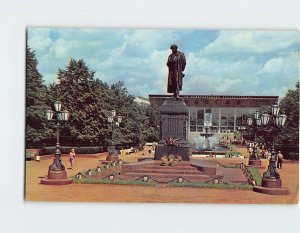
[66, 150]
[293, 156]
[209, 185]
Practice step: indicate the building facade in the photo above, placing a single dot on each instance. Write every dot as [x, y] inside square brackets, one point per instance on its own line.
[228, 112]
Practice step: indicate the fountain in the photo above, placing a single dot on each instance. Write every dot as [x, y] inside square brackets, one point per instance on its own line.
[209, 147]
[206, 135]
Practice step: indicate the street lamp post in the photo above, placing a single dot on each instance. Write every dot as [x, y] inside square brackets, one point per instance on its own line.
[254, 159]
[271, 182]
[114, 121]
[57, 174]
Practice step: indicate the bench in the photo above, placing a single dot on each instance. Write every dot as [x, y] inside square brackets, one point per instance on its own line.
[33, 154]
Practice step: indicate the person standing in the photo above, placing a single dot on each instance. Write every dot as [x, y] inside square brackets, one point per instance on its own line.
[176, 63]
[72, 157]
[280, 160]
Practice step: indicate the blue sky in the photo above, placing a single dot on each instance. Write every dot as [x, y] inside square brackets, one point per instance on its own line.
[220, 62]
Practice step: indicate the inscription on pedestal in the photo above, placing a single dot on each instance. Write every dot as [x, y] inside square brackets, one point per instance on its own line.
[173, 120]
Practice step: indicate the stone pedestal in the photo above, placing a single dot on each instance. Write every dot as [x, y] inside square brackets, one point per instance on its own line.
[173, 123]
[271, 191]
[112, 158]
[112, 154]
[255, 163]
[271, 186]
[56, 178]
[271, 182]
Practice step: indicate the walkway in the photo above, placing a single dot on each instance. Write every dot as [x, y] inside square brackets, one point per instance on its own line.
[128, 193]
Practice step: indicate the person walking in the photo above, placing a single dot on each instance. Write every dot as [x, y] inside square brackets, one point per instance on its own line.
[280, 160]
[72, 157]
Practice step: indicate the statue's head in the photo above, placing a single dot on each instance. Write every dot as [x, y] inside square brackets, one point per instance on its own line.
[173, 47]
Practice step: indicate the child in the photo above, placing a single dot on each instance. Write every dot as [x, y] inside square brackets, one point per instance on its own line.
[72, 157]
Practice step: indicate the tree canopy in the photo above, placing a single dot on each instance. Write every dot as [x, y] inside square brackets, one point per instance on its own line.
[37, 130]
[89, 102]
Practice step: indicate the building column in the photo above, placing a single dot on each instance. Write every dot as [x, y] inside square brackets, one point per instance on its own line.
[234, 122]
[220, 112]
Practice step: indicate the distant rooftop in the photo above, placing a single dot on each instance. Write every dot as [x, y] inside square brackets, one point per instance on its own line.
[219, 100]
[218, 96]
[140, 99]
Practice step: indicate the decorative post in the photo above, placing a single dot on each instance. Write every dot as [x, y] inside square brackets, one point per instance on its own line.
[254, 160]
[271, 182]
[57, 174]
[114, 122]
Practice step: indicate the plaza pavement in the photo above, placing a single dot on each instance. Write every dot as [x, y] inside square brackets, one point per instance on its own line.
[34, 191]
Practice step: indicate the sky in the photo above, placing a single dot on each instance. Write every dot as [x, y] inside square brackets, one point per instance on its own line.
[219, 62]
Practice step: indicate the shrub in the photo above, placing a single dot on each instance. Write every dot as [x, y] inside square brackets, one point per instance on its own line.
[66, 150]
[292, 155]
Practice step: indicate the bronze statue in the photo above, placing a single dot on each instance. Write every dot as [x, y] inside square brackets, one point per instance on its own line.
[176, 63]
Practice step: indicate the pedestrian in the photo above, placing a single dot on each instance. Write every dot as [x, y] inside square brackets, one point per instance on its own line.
[150, 150]
[72, 157]
[269, 155]
[280, 160]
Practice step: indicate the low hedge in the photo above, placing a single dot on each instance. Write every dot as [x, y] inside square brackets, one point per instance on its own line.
[119, 182]
[210, 185]
[78, 150]
[292, 155]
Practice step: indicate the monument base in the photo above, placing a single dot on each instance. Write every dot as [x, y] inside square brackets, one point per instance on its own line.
[255, 163]
[56, 178]
[271, 187]
[271, 191]
[271, 183]
[112, 158]
[162, 149]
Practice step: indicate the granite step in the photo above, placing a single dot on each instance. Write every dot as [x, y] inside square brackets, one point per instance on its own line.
[178, 164]
[155, 167]
[167, 176]
[168, 171]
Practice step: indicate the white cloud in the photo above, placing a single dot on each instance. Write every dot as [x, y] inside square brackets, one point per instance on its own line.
[206, 75]
[138, 57]
[273, 65]
[39, 38]
[251, 41]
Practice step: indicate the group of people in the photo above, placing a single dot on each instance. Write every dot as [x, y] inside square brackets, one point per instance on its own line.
[225, 141]
[262, 152]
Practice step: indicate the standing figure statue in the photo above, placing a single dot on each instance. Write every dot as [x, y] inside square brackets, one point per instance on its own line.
[176, 63]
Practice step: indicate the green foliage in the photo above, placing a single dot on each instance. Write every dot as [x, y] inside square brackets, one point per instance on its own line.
[211, 185]
[37, 130]
[82, 96]
[255, 174]
[288, 140]
[119, 182]
[285, 138]
[90, 101]
[66, 150]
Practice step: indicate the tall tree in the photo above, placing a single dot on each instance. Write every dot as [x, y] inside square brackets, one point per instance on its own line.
[36, 98]
[86, 100]
[152, 130]
[289, 137]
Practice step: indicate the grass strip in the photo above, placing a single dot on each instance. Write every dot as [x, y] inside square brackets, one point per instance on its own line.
[209, 185]
[255, 174]
[122, 182]
[93, 171]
